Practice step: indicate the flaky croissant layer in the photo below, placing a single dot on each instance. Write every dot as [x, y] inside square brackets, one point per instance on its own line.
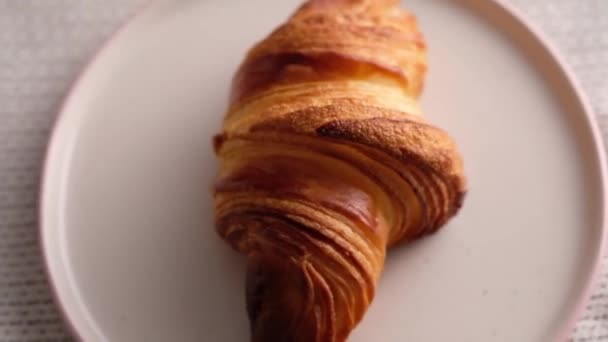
[327, 161]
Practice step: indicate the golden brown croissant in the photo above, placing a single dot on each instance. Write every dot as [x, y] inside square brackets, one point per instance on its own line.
[326, 161]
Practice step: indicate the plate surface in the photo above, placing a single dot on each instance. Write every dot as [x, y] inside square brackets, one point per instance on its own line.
[126, 210]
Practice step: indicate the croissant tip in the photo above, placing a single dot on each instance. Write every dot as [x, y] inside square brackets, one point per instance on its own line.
[276, 295]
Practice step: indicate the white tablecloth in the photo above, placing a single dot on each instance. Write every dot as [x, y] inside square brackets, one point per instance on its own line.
[45, 43]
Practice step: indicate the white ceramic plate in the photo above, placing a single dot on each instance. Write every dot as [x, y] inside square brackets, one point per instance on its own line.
[126, 210]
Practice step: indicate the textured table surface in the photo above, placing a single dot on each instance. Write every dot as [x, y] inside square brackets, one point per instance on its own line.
[45, 43]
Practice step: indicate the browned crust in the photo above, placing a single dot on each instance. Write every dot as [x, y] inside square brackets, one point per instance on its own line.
[365, 32]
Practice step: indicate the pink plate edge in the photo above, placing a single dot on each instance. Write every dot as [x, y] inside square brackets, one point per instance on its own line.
[590, 283]
[122, 29]
[562, 335]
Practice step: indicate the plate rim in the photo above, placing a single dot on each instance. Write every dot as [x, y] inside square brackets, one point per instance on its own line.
[506, 9]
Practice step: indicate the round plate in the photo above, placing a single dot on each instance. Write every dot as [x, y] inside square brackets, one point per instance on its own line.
[127, 223]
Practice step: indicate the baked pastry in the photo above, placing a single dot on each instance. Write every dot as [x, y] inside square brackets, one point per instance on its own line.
[326, 162]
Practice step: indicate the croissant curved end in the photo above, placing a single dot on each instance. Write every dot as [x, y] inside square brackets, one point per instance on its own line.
[327, 162]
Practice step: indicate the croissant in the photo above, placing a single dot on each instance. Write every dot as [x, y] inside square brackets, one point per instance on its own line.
[326, 162]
